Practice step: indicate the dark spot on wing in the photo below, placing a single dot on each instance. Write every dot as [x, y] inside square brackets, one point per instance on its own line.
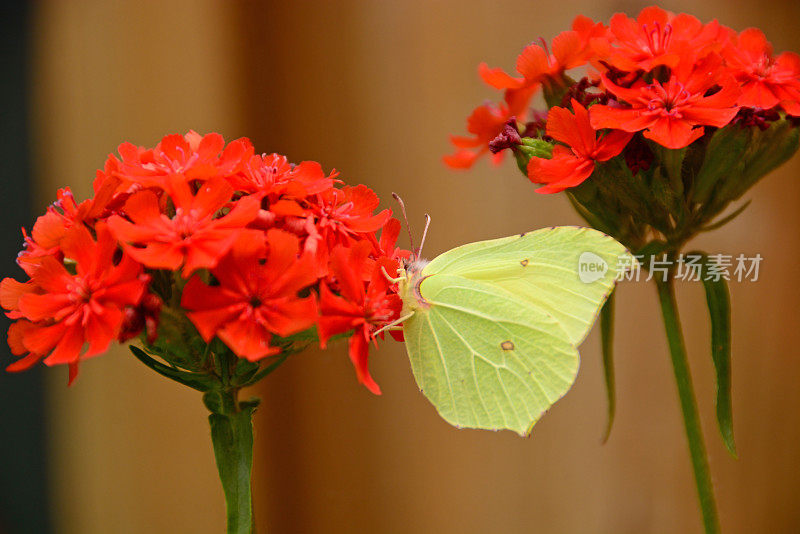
[523, 234]
[507, 345]
[524, 262]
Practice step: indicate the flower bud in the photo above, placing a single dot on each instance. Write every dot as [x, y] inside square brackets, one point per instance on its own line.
[529, 148]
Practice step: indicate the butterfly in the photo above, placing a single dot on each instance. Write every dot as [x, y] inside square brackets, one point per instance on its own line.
[492, 328]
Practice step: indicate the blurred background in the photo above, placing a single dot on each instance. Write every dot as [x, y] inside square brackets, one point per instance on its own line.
[373, 88]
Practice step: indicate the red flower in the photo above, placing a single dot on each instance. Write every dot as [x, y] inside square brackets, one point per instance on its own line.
[194, 156]
[274, 175]
[11, 291]
[766, 81]
[574, 163]
[359, 308]
[343, 214]
[254, 300]
[670, 113]
[591, 35]
[485, 123]
[262, 226]
[536, 65]
[387, 246]
[194, 237]
[72, 310]
[658, 37]
[50, 228]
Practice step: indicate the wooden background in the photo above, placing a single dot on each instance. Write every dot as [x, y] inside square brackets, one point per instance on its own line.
[373, 88]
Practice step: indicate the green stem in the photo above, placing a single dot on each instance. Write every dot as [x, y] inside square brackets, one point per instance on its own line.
[232, 435]
[607, 344]
[691, 418]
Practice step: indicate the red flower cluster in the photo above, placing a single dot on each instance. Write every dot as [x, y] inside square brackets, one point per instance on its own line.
[666, 76]
[252, 247]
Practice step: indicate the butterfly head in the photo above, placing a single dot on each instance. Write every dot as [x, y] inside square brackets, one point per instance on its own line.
[410, 274]
[412, 267]
[409, 279]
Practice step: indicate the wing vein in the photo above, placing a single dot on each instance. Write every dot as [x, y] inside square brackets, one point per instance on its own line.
[497, 369]
[444, 367]
[472, 365]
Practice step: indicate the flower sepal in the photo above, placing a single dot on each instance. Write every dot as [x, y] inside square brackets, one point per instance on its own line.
[666, 188]
[622, 203]
[530, 147]
[767, 150]
[723, 157]
[682, 191]
[555, 87]
[177, 342]
[631, 191]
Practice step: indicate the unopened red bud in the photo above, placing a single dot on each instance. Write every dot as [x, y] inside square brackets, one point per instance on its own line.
[508, 138]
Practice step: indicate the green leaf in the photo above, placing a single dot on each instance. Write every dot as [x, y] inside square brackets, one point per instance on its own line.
[607, 346]
[728, 218]
[297, 342]
[198, 381]
[232, 437]
[276, 361]
[719, 309]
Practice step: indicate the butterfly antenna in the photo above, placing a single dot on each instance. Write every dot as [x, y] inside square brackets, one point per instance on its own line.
[424, 234]
[405, 217]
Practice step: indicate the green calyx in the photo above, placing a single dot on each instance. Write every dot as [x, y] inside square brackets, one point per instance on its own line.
[677, 194]
[530, 147]
[180, 354]
[555, 88]
[737, 158]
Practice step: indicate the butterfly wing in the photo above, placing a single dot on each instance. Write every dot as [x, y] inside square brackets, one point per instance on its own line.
[543, 268]
[486, 358]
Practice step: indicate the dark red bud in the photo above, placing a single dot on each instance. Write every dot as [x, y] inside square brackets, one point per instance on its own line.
[508, 138]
